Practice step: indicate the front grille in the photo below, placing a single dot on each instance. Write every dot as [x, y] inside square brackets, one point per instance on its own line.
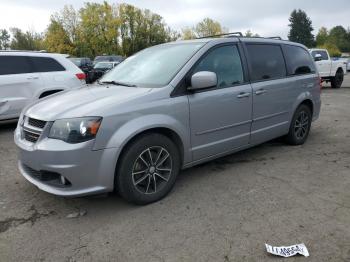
[30, 136]
[36, 123]
[32, 129]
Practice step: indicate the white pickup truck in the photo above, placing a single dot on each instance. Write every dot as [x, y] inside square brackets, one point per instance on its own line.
[329, 70]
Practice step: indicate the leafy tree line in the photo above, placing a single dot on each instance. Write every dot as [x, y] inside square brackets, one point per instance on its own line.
[94, 29]
[336, 40]
[97, 29]
[124, 29]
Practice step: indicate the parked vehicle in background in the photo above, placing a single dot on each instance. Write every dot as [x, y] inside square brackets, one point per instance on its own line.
[84, 63]
[329, 70]
[29, 76]
[108, 58]
[169, 107]
[347, 59]
[99, 70]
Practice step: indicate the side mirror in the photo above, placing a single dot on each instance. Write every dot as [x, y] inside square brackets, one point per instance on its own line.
[318, 57]
[203, 79]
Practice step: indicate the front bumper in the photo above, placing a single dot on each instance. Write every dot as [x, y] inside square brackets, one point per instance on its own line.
[85, 170]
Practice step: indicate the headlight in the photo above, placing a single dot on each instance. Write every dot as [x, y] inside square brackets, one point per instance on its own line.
[75, 130]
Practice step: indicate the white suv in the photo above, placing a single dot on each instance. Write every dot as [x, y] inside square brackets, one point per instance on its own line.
[28, 76]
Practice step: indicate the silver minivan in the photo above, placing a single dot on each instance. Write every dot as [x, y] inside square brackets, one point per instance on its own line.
[167, 108]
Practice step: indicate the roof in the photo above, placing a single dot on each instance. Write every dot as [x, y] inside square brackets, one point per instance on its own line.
[30, 53]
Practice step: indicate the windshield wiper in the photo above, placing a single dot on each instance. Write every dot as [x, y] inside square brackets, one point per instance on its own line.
[116, 83]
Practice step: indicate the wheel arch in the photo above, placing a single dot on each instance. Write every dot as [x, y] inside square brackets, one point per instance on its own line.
[48, 92]
[169, 133]
[340, 69]
[175, 130]
[308, 102]
[304, 98]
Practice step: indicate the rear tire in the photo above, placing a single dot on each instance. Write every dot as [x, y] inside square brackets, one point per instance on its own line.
[300, 126]
[148, 169]
[337, 81]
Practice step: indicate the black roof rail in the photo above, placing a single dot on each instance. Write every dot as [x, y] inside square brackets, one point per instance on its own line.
[275, 37]
[233, 34]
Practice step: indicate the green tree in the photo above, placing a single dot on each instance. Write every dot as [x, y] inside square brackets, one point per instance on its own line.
[4, 39]
[142, 28]
[339, 37]
[322, 36]
[249, 33]
[188, 33]
[301, 28]
[332, 49]
[208, 27]
[57, 38]
[98, 29]
[26, 40]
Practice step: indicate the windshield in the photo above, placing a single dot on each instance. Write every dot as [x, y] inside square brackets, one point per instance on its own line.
[76, 61]
[153, 67]
[103, 65]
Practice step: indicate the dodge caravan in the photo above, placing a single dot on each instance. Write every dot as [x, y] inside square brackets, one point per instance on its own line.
[167, 108]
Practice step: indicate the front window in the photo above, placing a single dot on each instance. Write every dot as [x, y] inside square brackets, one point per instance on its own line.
[153, 67]
[225, 61]
[324, 55]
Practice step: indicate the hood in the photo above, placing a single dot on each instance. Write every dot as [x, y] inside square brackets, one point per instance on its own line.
[85, 101]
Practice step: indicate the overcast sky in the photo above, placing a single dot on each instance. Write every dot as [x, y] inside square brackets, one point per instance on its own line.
[267, 17]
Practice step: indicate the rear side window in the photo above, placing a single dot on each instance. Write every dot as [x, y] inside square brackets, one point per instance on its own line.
[10, 65]
[266, 62]
[324, 55]
[46, 64]
[225, 61]
[298, 60]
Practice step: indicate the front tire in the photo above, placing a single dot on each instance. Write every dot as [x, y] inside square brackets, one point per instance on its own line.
[337, 81]
[300, 126]
[148, 169]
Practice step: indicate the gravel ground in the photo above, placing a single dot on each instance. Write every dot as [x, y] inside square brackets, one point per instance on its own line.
[225, 210]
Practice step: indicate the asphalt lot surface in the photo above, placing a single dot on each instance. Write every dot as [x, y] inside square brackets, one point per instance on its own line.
[225, 210]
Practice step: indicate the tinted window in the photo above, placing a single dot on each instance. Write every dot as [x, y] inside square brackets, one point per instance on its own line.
[266, 62]
[46, 64]
[298, 60]
[226, 63]
[10, 65]
[324, 55]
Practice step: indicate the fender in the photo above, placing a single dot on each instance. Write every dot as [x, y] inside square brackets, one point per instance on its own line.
[141, 124]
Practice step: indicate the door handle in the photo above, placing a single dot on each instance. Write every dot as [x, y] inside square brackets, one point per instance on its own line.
[260, 92]
[32, 77]
[242, 95]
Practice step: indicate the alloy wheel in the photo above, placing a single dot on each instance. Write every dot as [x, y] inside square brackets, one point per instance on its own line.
[301, 125]
[152, 170]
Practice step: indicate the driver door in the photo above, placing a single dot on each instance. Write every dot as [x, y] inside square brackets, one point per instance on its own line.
[221, 117]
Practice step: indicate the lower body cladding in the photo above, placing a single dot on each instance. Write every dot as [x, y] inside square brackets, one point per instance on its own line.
[67, 169]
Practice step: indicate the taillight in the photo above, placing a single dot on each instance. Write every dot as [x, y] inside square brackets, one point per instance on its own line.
[80, 76]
